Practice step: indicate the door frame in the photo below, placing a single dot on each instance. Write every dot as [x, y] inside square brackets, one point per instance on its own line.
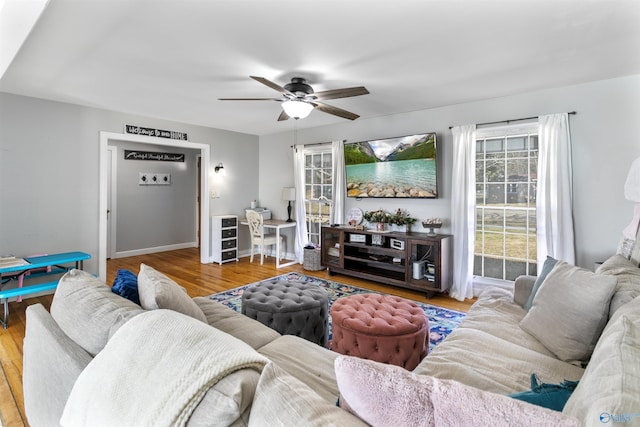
[205, 152]
[112, 197]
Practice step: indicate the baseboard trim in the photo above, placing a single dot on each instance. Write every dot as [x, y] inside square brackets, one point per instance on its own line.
[156, 249]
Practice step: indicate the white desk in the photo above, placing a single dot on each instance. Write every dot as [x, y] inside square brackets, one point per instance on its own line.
[276, 224]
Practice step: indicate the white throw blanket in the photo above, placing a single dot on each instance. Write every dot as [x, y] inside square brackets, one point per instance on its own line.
[154, 371]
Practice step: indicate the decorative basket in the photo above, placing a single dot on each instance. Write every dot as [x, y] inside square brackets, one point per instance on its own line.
[311, 260]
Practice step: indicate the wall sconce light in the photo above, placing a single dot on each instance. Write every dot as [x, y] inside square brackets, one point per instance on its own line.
[218, 168]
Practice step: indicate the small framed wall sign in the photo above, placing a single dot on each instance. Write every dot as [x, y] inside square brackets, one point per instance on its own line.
[152, 155]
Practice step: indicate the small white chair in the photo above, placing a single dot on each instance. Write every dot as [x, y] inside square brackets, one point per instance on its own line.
[256, 228]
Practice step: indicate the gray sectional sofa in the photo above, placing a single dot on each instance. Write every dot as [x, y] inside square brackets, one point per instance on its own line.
[99, 359]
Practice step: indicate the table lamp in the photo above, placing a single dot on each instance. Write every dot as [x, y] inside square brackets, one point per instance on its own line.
[289, 194]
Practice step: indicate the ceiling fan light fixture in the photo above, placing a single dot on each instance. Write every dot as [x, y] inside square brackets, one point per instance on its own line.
[297, 109]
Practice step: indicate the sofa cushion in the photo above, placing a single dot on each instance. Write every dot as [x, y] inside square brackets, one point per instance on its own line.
[240, 326]
[88, 312]
[496, 313]
[569, 311]
[306, 361]
[228, 401]
[478, 359]
[282, 400]
[172, 362]
[628, 275]
[159, 291]
[548, 265]
[51, 363]
[492, 322]
[383, 394]
[610, 386]
[126, 285]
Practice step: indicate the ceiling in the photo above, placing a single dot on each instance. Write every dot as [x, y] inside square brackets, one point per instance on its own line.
[173, 59]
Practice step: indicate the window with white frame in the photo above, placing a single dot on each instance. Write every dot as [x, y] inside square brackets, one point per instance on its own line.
[506, 178]
[318, 194]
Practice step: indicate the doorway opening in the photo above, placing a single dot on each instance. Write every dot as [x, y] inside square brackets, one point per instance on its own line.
[104, 208]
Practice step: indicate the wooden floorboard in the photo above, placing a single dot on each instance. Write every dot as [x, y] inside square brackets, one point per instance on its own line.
[184, 267]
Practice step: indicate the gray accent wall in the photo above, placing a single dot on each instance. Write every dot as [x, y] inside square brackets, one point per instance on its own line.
[605, 134]
[154, 216]
[49, 161]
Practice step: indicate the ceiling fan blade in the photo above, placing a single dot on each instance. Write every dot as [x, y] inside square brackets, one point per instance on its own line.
[271, 84]
[250, 99]
[283, 116]
[341, 93]
[330, 109]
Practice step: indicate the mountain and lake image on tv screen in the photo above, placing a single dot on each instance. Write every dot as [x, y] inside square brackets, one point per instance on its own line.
[404, 166]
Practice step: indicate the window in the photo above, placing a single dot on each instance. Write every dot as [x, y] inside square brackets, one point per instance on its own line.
[318, 196]
[506, 172]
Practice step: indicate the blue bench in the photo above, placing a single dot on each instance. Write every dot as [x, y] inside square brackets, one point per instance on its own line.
[55, 261]
[25, 290]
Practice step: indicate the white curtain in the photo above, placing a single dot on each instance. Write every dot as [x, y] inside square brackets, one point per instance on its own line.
[554, 198]
[301, 218]
[339, 186]
[463, 206]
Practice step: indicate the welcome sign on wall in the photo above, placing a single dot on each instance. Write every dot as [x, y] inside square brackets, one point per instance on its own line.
[158, 133]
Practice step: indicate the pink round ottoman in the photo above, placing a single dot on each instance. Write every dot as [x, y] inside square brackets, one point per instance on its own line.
[383, 328]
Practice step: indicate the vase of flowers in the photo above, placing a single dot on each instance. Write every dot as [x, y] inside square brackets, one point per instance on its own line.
[379, 218]
[402, 219]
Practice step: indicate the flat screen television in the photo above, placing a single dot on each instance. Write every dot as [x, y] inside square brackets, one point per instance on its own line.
[405, 166]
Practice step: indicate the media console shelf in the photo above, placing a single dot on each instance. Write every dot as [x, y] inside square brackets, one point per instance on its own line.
[410, 260]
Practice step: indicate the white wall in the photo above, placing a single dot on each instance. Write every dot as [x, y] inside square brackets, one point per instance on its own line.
[49, 163]
[49, 172]
[605, 133]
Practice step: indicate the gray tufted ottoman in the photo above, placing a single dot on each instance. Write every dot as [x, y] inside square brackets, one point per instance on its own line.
[291, 308]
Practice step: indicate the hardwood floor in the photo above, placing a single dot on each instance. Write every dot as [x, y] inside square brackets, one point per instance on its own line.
[184, 267]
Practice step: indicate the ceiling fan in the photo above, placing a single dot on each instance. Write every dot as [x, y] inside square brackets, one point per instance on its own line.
[298, 98]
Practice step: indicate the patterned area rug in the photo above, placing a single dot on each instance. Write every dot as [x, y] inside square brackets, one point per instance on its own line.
[441, 320]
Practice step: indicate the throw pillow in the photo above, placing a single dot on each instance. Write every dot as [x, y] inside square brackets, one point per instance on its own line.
[569, 311]
[384, 395]
[88, 312]
[159, 291]
[283, 400]
[628, 275]
[126, 285]
[388, 395]
[548, 265]
[610, 386]
[552, 396]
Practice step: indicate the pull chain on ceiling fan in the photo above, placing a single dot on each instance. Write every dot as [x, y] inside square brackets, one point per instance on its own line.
[299, 99]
